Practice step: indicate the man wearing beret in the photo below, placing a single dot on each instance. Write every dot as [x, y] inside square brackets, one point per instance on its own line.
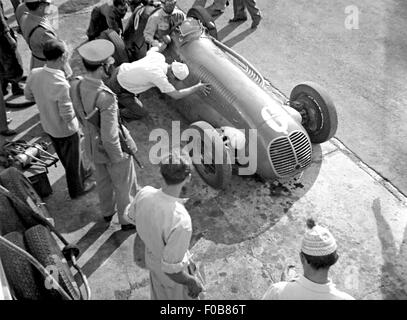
[318, 254]
[37, 29]
[11, 69]
[96, 107]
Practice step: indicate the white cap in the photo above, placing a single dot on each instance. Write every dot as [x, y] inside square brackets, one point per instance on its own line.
[318, 241]
[180, 70]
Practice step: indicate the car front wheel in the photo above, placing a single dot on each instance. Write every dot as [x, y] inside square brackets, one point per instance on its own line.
[319, 116]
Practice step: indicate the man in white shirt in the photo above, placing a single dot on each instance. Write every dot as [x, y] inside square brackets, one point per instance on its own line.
[131, 79]
[165, 227]
[318, 254]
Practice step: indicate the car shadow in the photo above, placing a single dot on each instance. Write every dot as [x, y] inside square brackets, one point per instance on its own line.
[393, 278]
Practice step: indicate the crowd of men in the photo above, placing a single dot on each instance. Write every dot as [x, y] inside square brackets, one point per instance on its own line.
[95, 104]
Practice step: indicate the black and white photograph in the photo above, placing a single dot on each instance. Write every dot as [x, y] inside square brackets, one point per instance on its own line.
[219, 150]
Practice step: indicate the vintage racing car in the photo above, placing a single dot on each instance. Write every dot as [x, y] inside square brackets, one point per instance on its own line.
[241, 98]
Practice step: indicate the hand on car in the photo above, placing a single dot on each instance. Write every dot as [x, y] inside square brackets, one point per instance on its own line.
[205, 88]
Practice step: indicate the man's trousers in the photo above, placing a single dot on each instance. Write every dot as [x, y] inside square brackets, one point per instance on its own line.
[116, 184]
[69, 153]
[251, 6]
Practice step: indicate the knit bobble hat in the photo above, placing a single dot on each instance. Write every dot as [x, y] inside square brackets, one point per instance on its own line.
[318, 241]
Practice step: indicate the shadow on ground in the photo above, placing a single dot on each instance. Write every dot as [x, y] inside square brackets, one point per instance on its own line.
[393, 280]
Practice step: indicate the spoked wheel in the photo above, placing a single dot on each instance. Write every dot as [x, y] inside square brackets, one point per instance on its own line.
[319, 116]
[213, 163]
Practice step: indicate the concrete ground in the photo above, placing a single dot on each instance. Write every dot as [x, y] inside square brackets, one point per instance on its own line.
[242, 237]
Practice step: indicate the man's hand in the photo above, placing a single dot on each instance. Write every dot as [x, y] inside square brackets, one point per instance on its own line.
[194, 287]
[205, 88]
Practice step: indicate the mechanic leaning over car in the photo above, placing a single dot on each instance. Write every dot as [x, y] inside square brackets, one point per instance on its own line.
[131, 79]
[161, 23]
[107, 17]
[107, 141]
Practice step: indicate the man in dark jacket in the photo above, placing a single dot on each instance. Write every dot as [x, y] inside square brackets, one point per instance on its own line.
[11, 69]
[107, 17]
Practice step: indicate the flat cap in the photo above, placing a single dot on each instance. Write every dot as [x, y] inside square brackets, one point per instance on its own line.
[97, 51]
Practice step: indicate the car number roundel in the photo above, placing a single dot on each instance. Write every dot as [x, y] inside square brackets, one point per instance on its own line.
[274, 121]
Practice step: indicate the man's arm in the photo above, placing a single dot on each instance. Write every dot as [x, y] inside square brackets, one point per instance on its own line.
[27, 89]
[109, 129]
[176, 258]
[112, 22]
[199, 87]
[150, 29]
[65, 106]
[160, 80]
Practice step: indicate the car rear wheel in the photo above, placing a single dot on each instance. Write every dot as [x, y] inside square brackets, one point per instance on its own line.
[201, 14]
[319, 116]
[211, 146]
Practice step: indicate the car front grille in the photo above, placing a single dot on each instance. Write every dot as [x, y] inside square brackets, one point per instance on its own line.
[290, 154]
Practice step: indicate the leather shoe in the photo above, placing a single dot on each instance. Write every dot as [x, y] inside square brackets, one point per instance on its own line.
[255, 23]
[238, 19]
[8, 132]
[127, 227]
[89, 186]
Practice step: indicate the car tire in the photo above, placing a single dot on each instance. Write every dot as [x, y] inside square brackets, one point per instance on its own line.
[19, 271]
[216, 175]
[42, 245]
[9, 219]
[320, 109]
[21, 187]
[201, 14]
[120, 52]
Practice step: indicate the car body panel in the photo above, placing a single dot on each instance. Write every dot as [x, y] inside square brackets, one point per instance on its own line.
[237, 100]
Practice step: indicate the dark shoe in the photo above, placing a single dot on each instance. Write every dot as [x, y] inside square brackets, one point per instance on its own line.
[255, 23]
[5, 88]
[109, 218]
[237, 19]
[215, 12]
[8, 132]
[88, 188]
[16, 89]
[127, 227]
